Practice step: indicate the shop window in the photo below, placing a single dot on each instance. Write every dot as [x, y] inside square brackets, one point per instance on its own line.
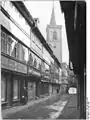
[30, 85]
[15, 89]
[3, 88]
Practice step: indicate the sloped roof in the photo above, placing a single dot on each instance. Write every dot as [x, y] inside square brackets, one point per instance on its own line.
[53, 21]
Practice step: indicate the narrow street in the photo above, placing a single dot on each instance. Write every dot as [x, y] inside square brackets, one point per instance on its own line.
[43, 59]
[50, 108]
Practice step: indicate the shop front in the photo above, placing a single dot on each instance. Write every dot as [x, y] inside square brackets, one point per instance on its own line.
[64, 85]
[44, 88]
[55, 87]
[45, 80]
[13, 78]
[34, 78]
[50, 89]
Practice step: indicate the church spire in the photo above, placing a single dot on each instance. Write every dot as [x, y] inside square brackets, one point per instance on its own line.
[52, 21]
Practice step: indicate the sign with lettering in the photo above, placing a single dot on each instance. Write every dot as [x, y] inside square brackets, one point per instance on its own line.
[34, 72]
[13, 65]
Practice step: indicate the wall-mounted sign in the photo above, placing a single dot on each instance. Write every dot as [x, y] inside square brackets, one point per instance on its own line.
[34, 72]
[13, 65]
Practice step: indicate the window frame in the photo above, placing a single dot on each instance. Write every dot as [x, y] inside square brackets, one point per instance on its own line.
[9, 45]
[3, 42]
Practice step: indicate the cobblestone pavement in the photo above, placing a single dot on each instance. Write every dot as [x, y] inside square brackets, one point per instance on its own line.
[52, 107]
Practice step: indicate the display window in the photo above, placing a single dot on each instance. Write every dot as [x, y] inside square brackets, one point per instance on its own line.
[3, 88]
[15, 89]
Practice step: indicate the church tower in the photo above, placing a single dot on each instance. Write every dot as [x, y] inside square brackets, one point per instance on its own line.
[54, 36]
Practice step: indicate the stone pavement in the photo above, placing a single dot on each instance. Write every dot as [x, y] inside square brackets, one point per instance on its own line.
[40, 110]
[70, 111]
[21, 107]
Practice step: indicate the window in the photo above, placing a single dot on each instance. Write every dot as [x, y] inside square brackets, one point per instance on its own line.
[30, 59]
[54, 46]
[42, 66]
[16, 15]
[15, 52]
[3, 42]
[9, 42]
[36, 44]
[3, 88]
[3, 3]
[46, 55]
[54, 35]
[46, 68]
[35, 63]
[38, 63]
[24, 53]
[39, 66]
[15, 89]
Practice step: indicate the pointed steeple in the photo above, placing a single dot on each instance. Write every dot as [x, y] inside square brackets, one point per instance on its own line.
[52, 21]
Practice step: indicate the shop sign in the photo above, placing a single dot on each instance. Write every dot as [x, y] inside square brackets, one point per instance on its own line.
[34, 72]
[13, 65]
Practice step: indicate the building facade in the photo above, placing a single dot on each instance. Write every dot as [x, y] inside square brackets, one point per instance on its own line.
[27, 64]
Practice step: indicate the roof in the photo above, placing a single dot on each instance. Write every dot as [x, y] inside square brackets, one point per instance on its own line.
[53, 21]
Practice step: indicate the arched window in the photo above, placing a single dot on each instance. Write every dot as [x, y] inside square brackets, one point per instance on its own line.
[54, 35]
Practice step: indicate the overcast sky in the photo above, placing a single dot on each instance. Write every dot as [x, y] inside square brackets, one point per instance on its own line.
[43, 10]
